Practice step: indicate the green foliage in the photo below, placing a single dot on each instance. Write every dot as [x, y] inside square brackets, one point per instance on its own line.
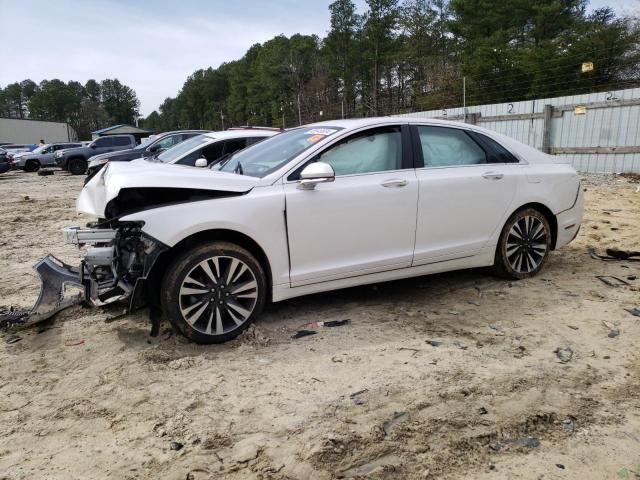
[86, 107]
[403, 56]
[397, 56]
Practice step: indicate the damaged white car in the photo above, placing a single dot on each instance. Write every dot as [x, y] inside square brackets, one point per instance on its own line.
[316, 208]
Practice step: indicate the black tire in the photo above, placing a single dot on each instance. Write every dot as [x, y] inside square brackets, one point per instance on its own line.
[32, 166]
[517, 258]
[77, 166]
[187, 275]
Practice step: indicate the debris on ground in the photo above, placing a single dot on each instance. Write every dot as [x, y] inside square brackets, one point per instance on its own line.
[377, 464]
[613, 331]
[560, 466]
[396, 418]
[569, 425]
[634, 311]
[13, 339]
[528, 442]
[44, 172]
[303, 333]
[433, 343]
[612, 281]
[356, 396]
[72, 343]
[483, 411]
[176, 446]
[330, 323]
[622, 254]
[11, 317]
[564, 354]
[614, 254]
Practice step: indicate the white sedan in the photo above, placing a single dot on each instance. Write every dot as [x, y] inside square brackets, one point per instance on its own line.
[317, 208]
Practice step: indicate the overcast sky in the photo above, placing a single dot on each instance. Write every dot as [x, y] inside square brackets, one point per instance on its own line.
[152, 47]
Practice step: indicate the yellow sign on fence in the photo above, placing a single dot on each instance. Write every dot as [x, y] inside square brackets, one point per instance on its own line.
[580, 110]
[587, 67]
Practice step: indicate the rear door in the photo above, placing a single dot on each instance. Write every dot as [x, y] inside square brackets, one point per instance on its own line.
[465, 192]
[122, 143]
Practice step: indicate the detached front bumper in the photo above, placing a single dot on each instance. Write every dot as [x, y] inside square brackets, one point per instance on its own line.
[115, 266]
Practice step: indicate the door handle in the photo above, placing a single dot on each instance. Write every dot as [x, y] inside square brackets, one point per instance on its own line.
[492, 175]
[394, 183]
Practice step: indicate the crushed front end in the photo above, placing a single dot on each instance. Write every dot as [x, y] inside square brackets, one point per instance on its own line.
[119, 257]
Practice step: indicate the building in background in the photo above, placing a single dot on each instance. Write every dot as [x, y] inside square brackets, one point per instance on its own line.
[17, 130]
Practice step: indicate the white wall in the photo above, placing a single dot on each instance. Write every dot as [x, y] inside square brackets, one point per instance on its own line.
[32, 131]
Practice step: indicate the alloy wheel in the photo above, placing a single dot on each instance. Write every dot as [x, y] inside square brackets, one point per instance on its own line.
[218, 295]
[526, 244]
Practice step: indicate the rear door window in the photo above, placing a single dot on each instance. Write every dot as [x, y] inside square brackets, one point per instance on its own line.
[121, 141]
[496, 153]
[449, 147]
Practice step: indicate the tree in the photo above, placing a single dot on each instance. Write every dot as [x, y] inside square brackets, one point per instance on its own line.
[340, 49]
[119, 101]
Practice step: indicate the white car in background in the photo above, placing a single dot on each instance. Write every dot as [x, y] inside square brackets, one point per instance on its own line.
[317, 208]
[211, 147]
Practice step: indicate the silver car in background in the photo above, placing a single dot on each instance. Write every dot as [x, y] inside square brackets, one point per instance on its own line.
[40, 157]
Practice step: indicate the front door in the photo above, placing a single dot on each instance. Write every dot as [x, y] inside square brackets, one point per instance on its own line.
[103, 145]
[464, 197]
[363, 222]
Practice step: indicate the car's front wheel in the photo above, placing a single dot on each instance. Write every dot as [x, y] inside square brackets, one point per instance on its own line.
[524, 245]
[213, 292]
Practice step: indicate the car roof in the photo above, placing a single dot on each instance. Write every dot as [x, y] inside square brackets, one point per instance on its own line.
[162, 134]
[249, 132]
[364, 122]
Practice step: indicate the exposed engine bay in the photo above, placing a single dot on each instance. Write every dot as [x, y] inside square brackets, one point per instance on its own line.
[118, 259]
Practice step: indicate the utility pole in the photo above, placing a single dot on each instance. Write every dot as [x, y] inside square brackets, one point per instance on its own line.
[299, 114]
[342, 108]
[464, 92]
[222, 119]
[464, 97]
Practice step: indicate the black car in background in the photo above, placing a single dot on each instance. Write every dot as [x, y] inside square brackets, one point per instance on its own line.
[158, 144]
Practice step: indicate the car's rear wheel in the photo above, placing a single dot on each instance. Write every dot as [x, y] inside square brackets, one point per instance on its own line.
[524, 245]
[32, 166]
[213, 292]
[77, 166]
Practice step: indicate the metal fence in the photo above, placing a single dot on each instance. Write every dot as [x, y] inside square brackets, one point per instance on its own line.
[597, 132]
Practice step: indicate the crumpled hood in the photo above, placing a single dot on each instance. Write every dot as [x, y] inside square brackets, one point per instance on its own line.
[108, 183]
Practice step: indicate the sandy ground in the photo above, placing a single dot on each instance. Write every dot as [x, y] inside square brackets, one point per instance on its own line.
[92, 397]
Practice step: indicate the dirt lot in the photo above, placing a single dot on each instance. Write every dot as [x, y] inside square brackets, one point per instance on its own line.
[93, 397]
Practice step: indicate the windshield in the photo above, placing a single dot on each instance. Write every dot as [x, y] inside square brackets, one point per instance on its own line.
[269, 155]
[174, 153]
[41, 149]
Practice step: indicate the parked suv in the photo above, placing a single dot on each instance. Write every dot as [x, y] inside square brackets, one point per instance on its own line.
[158, 144]
[40, 157]
[76, 159]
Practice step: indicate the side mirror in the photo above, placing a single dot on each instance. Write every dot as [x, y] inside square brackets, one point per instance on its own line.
[92, 146]
[202, 163]
[314, 173]
[154, 148]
